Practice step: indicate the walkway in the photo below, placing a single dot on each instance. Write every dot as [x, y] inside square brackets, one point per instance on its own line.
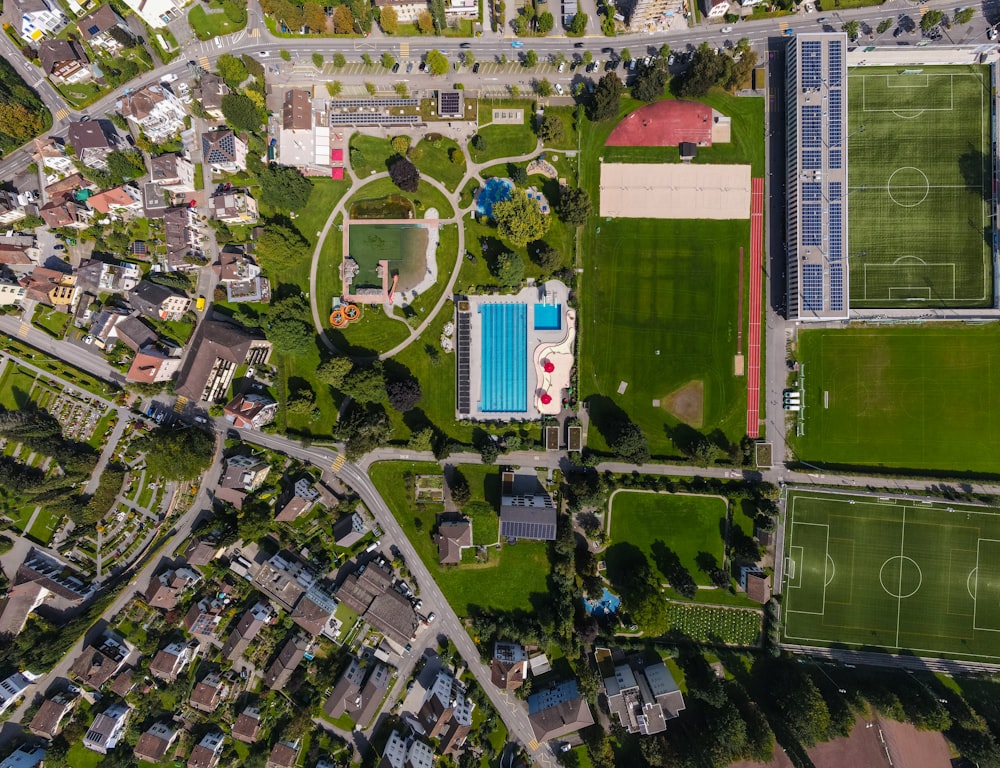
[756, 277]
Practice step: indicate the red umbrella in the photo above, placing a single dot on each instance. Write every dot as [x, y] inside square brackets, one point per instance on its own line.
[546, 398]
[549, 366]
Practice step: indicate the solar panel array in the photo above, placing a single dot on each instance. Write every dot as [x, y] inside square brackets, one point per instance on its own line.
[812, 192]
[835, 124]
[371, 118]
[837, 287]
[520, 529]
[836, 161]
[812, 160]
[836, 252]
[812, 224]
[355, 103]
[812, 126]
[451, 102]
[811, 64]
[835, 54]
[812, 287]
[836, 191]
[463, 341]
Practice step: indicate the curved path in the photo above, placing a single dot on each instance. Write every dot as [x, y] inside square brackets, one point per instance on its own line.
[472, 172]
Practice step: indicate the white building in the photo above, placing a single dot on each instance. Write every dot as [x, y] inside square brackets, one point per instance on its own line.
[402, 752]
[39, 18]
[462, 9]
[107, 729]
[157, 13]
[155, 109]
[11, 690]
[52, 156]
[715, 9]
[173, 172]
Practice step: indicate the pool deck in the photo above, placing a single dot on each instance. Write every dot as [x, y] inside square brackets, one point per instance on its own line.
[553, 345]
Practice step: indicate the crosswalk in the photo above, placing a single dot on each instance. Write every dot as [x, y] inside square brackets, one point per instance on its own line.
[203, 63]
[404, 50]
[783, 25]
[181, 404]
[339, 462]
[533, 745]
[61, 113]
[255, 32]
[24, 330]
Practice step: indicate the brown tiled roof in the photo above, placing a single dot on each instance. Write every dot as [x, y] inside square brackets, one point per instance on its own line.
[54, 52]
[452, 536]
[562, 719]
[213, 339]
[282, 756]
[247, 726]
[280, 671]
[97, 22]
[393, 615]
[46, 722]
[758, 587]
[152, 745]
[296, 112]
[207, 694]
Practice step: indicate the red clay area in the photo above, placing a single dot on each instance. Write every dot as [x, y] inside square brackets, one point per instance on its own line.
[756, 278]
[664, 124]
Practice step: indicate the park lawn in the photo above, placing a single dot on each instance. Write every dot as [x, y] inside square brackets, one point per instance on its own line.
[80, 94]
[53, 322]
[45, 525]
[375, 153]
[425, 198]
[515, 579]
[20, 518]
[208, 25]
[505, 141]
[684, 524]
[80, 757]
[15, 386]
[565, 116]
[915, 398]
[56, 367]
[434, 160]
[373, 334]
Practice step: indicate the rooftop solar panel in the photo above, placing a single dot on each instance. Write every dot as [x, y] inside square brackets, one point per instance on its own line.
[836, 159]
[835, 64]
[812, 224]
[811, 126]
[812, 288]
[812, 160]
[836, 287]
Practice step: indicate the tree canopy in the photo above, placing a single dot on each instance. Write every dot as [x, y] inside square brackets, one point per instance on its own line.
[287, 326]
[509, 270]
[334, 370]
[437, 62]
[574, 205]
[404, 394]
[404, 174]
[607, 98]
[284, 188]
[365, 383]
[389, 20]
[178, 454]
[240, 112]
[519, 220]
[280, 247]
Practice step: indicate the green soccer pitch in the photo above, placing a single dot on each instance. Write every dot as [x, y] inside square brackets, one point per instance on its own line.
[895, 574]
[919, 185]
[920, 398]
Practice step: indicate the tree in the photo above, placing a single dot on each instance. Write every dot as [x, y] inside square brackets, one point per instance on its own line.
[232, 70]
[404, 174]
[931, 19]
[334, 87]
[850, 28]
[468, 59]
[125, 166]
[489, 451]
[365, 384]
[400, 144]
[574, 206]
[519, 220]
[363, 429]
[542, 87]
[178, 454]
[288, 328]
[530, 59]
[404, 394]
[479, 142]
[302, 403]
[118, 120]
[883, 26]
[707, 69]
[339, 60]
[371, 88]
[389, 20]
[607, 98]
[280, 247]
[421, 440]
[547, 257]
[284, 188]
[626, 55]
[334, 370]
[664, 52]
[965, 15]
[388, 60]
[314, 17]
[285, 54]
[425, 23]
[518, 174]
[544, 23]
[437, 62]
[241, 113]
[630, 444]
[579, 24]
[550, 129]
[317, 60]
[438, 14]
[509, 269]
[651, 81]
[402, 90]
[19, 122]
[343, 21]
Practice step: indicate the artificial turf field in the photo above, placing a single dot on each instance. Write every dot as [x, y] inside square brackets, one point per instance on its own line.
[660, 299]
[905, 397]
[893, 573]
[919, 187]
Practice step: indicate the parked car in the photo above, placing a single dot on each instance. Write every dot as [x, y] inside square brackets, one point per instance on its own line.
[431, 616]
[475, 67]
[88, 339]
[395, 67]
[559, 89]
[726, 30]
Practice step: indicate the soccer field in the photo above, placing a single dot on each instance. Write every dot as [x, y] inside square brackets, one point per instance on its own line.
[907, 397]
[899, 574]
[919, 181]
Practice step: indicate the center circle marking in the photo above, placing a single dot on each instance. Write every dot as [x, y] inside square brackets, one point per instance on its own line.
[900, 576]
[912, 186]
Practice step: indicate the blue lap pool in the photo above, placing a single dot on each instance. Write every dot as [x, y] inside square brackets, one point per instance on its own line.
[548, 317]
[504, 374]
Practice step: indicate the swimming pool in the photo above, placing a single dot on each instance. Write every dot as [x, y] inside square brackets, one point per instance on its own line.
[548, 317]
[504, 370]
[606, 606]
[495, 190]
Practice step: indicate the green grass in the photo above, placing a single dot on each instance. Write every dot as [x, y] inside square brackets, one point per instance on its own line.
[664, 285]
[15, 386]
[505, 141]
[513, 579]
[23, 515]
[45, 525]
[374, 152]
[80, 94]
[920, 190]
[433, 158]
[80, 757]
[51, 321]
[565, 116]
[712, 624]
[903, 575]
[686, 525]
[208, 25]
[910, 398]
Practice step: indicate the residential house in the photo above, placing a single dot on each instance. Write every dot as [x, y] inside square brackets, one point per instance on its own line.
[248, 627]
[180, 236]
[288, 658]
[38, 18]
[153, 745]
[208, 751]
[301, 143]
[209, 693]
[284, 578]
[155, 110]
[247, 726]
[715, 9]
[204, 618]
[201, 552]
[24, 757]
[349, 530]
[509, 667]
[169, 662]
[643, 696]
[103, 28]
[446, 712]
[314, 612]
[65, 211]
[54, 575]
[209, 92]
[152, 365]
[157, 13]
[461, 9]
[251, 411]
[11, 291]
[233, 207]
[134, 333]
[452, 537]
[11, 689]
[296, 500]
[18, 253]
[284, 755]
[215, 351]
[159, 301]
[173, 172]
[64, 62]
[406, 752]
[241, 475]
[406, 10]
[47, 722]
[107, 729]
[224, 151]
[558, 711]
[13, 206]
[92, 142]
[99, 663]
[369, 593]
[526, 510]
[102, 277]
[121, 202]
[51, 155]
[123, 683]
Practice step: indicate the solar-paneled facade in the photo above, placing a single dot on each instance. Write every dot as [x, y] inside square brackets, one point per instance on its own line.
[816, 148]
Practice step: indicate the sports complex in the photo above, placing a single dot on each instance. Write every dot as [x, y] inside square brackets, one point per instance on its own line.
[891, 573]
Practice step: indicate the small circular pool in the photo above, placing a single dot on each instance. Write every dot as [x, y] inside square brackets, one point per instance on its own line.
[495, 190]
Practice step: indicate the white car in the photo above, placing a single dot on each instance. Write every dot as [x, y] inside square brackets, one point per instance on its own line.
[264, 54]
[88, 339]
[726, 30]
[559, 89]
[168, 78]
[431, 617]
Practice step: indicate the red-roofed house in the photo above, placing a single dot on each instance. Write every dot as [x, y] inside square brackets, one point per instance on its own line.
[251, 411]
[151, 366]
[120, 201]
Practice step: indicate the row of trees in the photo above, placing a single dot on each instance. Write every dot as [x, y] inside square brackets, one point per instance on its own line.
[22, 114]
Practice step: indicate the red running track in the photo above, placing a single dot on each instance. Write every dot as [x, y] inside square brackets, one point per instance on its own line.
[756, 275]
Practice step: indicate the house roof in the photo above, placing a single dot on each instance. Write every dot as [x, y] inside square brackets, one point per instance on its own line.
[311, 614]
[206, 693]
[214, 339]
[102, 202]
[154, 743]
[94, 667]
[296, 111]
[152, 294]
[393, 615]
[164, 167]
[211, 89]
[292, 652]
[145, 367]
[528, 522]
[219, 146]
[247, 725]
[98, 22]
[54, 52]
[758, 586]
[282, 756]
[567, 716]
[141, 103]
[87, 134]
[452, 536]
[48, 717]
[134, 333]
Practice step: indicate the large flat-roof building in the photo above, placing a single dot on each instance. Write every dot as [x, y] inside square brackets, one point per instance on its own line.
[816, 149]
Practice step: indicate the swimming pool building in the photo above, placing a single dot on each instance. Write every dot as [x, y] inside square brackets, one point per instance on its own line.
[514, 353]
